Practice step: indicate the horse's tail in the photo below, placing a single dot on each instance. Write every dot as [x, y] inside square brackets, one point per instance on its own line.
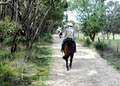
[68, 50]
[67, 55]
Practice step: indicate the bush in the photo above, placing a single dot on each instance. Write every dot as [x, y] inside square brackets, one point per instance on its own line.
[44, 37]
[7, 27]
[3, 54]
[100, 46]
[6, 73]
[8, 40]
[21, 39]
[87, 42]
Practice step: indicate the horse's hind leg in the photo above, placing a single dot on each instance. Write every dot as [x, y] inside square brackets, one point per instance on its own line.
[71, 60]
[67, 64]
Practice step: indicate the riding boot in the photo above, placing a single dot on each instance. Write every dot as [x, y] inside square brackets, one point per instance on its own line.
[62, 47]
[75, 48]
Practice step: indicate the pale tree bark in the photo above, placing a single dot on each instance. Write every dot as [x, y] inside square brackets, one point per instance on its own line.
[41, 23]
[1, 5]
[5, 3]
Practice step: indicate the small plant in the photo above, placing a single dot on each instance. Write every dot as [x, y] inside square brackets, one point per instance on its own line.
[3, 54]
[8, 27]
[21, 39]
[8, 40]
[100, 46]
[6, 74]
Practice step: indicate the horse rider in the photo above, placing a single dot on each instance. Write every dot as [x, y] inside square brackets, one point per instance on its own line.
[59, 30]
[69, 34]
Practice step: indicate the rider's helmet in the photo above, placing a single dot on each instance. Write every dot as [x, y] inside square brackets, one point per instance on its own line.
[70, 24]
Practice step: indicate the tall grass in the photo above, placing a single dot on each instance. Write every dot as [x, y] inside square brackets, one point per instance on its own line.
[26, 68]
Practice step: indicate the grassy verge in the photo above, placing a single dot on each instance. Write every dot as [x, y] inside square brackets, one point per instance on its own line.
[109, 54]
[112, 58]
[26, 68]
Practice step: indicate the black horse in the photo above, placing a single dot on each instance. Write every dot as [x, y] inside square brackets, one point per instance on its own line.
[69, 49]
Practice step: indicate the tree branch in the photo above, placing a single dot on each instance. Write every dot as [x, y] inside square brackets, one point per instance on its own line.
[5, 3]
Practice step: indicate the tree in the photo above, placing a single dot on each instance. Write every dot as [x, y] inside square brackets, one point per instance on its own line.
[90, 15]
[34, 16]
[112, 18]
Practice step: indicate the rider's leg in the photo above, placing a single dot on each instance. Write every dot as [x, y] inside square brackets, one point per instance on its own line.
[62, 47]
[74, 43]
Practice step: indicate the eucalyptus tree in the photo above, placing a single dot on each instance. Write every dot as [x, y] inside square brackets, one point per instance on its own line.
[55, 17]
[33, 15]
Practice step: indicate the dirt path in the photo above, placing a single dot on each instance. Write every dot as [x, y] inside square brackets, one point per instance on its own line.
[88, 69]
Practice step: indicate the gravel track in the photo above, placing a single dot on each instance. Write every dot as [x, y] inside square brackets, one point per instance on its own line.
[88, 69]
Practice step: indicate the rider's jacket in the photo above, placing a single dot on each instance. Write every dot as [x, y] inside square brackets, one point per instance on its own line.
[69, 33]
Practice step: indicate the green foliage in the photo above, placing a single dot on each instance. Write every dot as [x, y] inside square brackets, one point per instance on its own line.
[8, 40]
[6, 74]
[100, 46]
[7, 27]
[55, 17]
[3, 54]
[112, 25]
[27, 68]
[87, 42]
[44, 38]
[90, 16]
[21, 39]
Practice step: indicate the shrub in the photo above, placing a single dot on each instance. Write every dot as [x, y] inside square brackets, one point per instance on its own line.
[100, 46]
[21, 39]
[6, 73]
[87, 42]
[3, 54]
[8, 40]
[8, 27]
[44, 37]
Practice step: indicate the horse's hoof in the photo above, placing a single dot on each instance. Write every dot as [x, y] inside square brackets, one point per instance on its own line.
[67, 69]
[64, 58]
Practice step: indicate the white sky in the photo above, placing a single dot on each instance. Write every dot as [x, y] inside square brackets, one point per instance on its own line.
[71, 15]
[111, 0]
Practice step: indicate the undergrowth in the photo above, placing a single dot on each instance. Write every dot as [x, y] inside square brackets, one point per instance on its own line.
[26, 68]
[109, 54]
[112, 58]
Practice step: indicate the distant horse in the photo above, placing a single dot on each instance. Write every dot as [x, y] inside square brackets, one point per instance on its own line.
[60, 34]
[69, 48]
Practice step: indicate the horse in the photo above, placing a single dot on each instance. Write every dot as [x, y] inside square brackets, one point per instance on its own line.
[69, 49]
[60, 34]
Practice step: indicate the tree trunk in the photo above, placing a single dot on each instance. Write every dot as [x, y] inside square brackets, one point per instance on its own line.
[113, 36]
[92, 36]
[13, 12]
[14, 44]
[108, 35]
[40, 24]
[1, 6]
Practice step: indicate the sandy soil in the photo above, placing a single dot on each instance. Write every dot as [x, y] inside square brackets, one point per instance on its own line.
[88, 69]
